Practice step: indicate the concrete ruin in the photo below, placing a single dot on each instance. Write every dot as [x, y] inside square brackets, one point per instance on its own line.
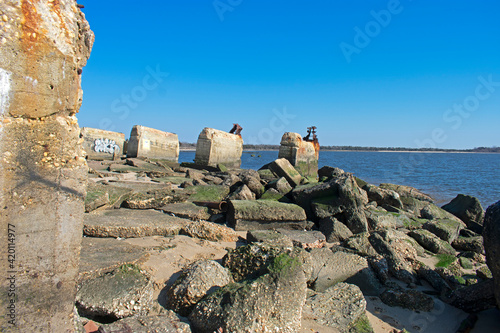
[102, 145]
[302, 154]
[44, 46]
[216, 147]
[153, 143]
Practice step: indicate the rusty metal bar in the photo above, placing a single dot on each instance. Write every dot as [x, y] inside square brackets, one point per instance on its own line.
[222, 205]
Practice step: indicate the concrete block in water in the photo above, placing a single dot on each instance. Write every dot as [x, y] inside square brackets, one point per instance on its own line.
[102, 145]
[218, 147]
[303, 155]
[153, 143]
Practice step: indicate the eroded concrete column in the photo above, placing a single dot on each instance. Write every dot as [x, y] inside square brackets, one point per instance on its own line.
[153, 143]
[303, 155]
[216, 147]
[102, 145]
[44, 45]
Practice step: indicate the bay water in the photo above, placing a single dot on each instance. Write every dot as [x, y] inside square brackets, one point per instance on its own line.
[441, 175]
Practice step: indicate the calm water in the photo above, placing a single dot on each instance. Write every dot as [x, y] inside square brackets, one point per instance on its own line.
[441, 175]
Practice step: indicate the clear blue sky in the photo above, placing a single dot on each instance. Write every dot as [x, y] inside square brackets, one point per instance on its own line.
[366, 73]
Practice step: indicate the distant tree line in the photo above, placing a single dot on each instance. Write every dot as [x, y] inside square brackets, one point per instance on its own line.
[186, 145]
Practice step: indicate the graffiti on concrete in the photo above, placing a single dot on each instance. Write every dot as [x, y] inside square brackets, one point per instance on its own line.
[106, 146]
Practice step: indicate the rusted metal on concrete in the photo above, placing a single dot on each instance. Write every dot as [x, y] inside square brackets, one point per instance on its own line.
[302, 153]
[236, 130]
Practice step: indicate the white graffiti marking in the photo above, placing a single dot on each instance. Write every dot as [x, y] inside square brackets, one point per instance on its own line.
[5, 79]
[106, 146]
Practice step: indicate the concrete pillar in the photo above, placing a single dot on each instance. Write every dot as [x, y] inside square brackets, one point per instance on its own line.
[102, 145]
[218, 147]
[43, 47]
[153, 143]
[303, 155]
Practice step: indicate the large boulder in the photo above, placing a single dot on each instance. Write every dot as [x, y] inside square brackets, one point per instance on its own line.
[398, 266]
[407, 192]
[492, 244]
[199, 279]
[242, 193]
[244, 215]
[271, 303]
[339, 307]
[447, 230]
[431, 242]
[124, 292]
[473, 244]
[330, 268]
[467, 208]
[251, 261]
[334, 230]
[383, 196]
[379, 218]
[340, 197]
[408, 299]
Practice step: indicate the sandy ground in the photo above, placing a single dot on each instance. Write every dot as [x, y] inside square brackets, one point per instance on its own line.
[170, 254]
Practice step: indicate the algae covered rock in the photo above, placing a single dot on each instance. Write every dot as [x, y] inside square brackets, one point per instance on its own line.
[431, 242]
[124, 292]
[197, 280]
[467, 208]
[250, 261]
[447, 230]
[383, 196]
[272, 302]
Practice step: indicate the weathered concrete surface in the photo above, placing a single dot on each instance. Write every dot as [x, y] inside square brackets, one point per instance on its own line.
[44, 46]
[99, 255]
[303, 155]
[153, 143]
[283, 168]
[244, 215]
[130, 223]
[102, 145]
[218, 147]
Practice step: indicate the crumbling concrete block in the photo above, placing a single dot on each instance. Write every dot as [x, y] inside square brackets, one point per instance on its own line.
[303, 155]
[102, 145]
[216, 147]
[44, 46]
[283, 168]
[153, 143]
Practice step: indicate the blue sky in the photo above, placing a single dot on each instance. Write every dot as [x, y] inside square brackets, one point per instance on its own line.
[366, 73]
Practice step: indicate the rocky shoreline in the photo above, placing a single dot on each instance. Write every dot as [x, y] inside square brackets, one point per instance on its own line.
[184, 248]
